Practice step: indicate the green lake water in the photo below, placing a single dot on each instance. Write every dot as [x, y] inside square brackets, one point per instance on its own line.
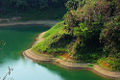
[19, 38]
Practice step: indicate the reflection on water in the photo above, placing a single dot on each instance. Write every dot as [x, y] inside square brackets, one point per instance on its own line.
[20, 38]
[17, 39]
[28, 70]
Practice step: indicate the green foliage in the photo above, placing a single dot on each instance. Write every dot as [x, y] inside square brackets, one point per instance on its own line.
[83, 27]
[92, 25]
[72, 4]
[70, 19]
[90, 65]
[56, 40]
[32, 9]
[110, 63]
[81, 30]
[90, 33]
[54, 29]
[110, 36]
[44, 14]
[30, 4]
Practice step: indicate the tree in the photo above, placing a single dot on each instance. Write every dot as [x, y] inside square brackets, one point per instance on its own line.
[72, 4]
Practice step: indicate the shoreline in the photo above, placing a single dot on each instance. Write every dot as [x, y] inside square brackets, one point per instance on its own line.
[40, 22]
[39, 38]
[69, 65]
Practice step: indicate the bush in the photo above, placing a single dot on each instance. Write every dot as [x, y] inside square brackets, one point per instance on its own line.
[70, 20]
[90, 33]
[110, 63]
[56, 40]
[72, 4]
[110, 37]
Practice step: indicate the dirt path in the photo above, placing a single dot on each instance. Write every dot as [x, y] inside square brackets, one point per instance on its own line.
[40, 58]
[39, 38]
[44, 22]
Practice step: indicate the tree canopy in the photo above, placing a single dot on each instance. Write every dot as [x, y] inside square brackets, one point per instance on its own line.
[8, 5]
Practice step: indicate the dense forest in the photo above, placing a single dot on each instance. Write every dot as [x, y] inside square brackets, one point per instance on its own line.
[90, 32]
[8, 5]
[32, 8]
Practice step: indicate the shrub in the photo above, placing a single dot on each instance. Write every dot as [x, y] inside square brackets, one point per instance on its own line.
[110, 37]
[109, 63]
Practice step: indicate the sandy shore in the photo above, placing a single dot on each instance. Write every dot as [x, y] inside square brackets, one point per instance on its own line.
[42, 22]
[43, 58]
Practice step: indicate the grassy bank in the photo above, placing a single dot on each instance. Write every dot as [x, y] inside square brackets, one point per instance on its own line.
[53, 42]
[61, 42]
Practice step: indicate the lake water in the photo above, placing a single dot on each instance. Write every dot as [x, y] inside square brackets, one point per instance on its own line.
[19, 38]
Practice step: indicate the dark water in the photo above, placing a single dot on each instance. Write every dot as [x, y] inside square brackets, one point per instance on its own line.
[17, 39]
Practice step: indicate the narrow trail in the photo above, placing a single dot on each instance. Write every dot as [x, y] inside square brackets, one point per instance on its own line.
[41, 22]
[39, 38]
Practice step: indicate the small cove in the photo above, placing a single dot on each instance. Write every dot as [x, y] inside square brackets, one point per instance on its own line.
[19, 38]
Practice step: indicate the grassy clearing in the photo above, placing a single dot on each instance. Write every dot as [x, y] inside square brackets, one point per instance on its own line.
[90, 65]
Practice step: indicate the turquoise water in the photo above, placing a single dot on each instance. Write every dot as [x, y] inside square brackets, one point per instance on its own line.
[19, 38]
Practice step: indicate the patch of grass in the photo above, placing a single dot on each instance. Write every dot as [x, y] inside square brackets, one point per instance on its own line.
[90, 65]
[52, 37]
[60, 57]
[54, 29]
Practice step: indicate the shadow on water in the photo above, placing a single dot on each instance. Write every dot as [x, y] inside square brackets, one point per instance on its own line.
[72, 74]
[25, 28]
[19, 38]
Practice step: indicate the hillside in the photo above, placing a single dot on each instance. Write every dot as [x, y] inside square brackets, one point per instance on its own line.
[90, 33]
[32, 9]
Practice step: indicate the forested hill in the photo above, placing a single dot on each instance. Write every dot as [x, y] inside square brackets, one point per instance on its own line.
[29, 4]
[90, 33]
[32, 7]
